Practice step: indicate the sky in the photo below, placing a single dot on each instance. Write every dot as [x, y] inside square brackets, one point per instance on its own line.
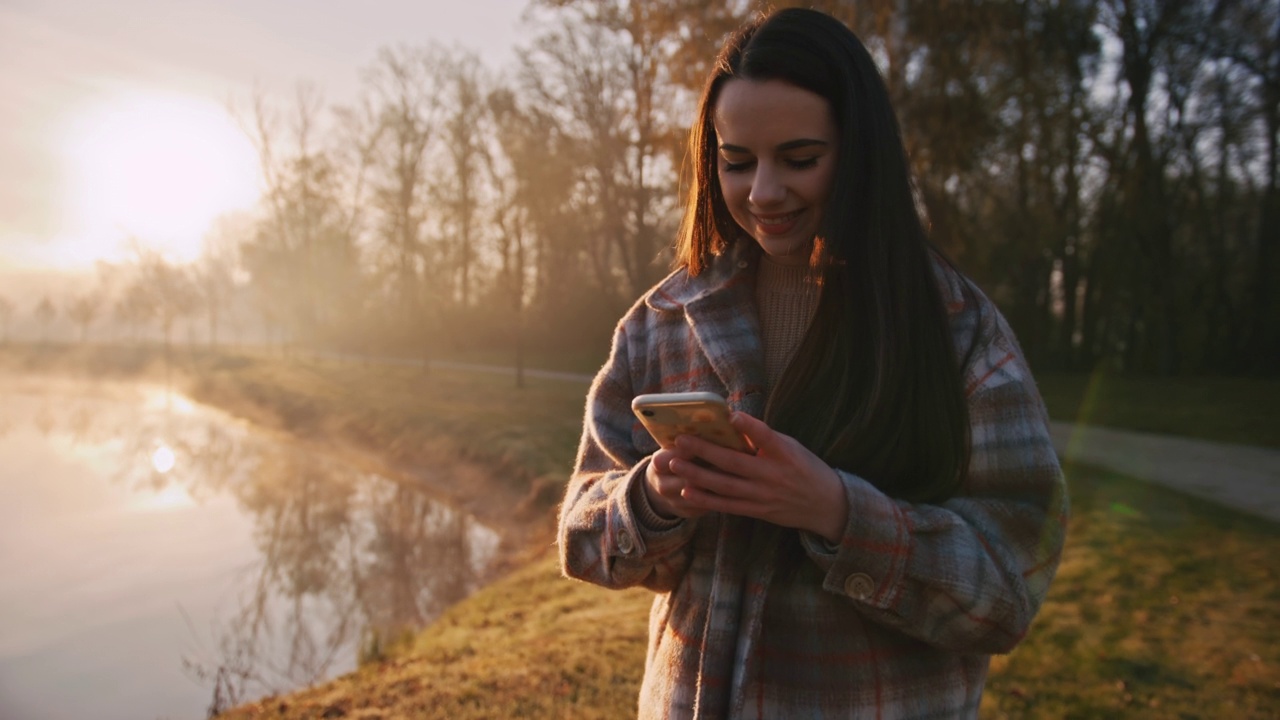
[113, 120]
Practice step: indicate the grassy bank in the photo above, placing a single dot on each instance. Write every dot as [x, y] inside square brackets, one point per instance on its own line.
[1164, 606]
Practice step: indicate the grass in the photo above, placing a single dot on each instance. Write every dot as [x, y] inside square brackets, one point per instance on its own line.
[1234, 410]
[1164, 606]
[529, 645]
[522, 439]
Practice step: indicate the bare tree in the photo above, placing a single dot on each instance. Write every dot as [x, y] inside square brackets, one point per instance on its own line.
[45, 313]
[404, 95]
[1249, 38]
[600, 68]
[458, 190]
[303, 260]
[511, 170]
[83, 310]
[214, 272]
[6, 317]
[132, 310]
[163, 292]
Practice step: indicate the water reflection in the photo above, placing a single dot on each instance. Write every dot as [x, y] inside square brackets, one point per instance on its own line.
[344, 558]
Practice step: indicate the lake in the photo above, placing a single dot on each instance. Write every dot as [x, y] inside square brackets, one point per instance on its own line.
[161, 557]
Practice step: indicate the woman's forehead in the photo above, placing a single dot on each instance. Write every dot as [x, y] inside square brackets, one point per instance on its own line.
[770, 112]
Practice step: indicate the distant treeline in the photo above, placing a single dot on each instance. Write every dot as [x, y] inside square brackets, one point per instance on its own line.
[1106, 169]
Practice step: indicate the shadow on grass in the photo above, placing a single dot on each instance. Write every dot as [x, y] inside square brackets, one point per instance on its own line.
[1164, 607]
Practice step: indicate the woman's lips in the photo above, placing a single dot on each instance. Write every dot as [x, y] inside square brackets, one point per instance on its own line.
[776, 224]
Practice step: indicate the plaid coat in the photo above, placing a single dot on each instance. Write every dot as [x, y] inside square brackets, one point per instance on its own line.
[756, 621]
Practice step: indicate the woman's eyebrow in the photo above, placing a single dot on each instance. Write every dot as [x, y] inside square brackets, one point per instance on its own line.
[788, 145]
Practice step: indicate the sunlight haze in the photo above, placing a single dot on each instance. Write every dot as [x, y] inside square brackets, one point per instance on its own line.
[114, 127]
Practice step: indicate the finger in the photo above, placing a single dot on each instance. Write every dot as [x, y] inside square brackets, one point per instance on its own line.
[712, 502]
[756, 431]
[718, 456]
[662, 461]
[713, 481]
[670, 486]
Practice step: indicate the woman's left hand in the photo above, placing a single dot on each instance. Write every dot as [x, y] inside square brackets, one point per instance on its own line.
[783, 483]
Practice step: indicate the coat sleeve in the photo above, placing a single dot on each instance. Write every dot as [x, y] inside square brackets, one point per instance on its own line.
[968, 574]
[600, 538]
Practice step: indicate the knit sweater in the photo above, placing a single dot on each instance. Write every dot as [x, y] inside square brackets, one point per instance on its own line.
[786, 297]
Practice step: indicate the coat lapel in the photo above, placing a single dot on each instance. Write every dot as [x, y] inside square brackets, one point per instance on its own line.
[720, 310]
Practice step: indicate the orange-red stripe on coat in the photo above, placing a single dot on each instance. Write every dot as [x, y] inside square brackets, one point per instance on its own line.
[978, 383]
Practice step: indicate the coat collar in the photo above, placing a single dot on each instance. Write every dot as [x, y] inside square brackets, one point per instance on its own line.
[951, 285]
[720, 310]
[726, 271]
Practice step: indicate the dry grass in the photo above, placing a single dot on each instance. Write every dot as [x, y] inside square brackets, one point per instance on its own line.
[1164, 607]
[530, 645]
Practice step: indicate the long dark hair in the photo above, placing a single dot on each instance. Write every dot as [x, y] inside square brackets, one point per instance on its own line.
[878, 359]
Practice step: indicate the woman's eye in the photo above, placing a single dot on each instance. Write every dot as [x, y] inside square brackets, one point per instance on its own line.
[802, 163]
[736, 166]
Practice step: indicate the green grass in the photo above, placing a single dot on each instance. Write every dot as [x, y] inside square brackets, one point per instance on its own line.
[1234, 410]
[1163, 607]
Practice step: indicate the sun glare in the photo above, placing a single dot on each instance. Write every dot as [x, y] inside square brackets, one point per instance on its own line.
[158, 168]
[171, 497]
[162, 459]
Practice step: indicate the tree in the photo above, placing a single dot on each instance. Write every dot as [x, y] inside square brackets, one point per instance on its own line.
[45, 313]
[404, 99]
[303, 260]
[602, 69]
[1249, 37]
[83, 310]
[6, 317]
[162, 292]
[132, 310]
[512, 172]
[214, 272]
[459, 188]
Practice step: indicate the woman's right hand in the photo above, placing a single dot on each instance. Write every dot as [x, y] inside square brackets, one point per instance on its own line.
[665, 490]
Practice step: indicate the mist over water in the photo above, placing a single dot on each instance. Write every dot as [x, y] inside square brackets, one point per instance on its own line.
[159, 556]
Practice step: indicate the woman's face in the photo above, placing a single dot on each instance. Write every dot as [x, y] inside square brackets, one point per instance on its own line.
[777, 159]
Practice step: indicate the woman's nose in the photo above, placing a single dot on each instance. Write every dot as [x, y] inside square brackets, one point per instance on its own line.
[766, 187]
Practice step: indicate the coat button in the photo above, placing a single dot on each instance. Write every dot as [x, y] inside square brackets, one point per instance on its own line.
[859, 586]
[625, 543]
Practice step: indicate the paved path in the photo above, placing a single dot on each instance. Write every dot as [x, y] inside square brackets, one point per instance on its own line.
[1241, 477]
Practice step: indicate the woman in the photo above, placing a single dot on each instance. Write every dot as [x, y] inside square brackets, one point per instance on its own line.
[903, 512]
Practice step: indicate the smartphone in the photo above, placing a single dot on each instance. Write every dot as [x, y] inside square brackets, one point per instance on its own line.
[704, 414]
